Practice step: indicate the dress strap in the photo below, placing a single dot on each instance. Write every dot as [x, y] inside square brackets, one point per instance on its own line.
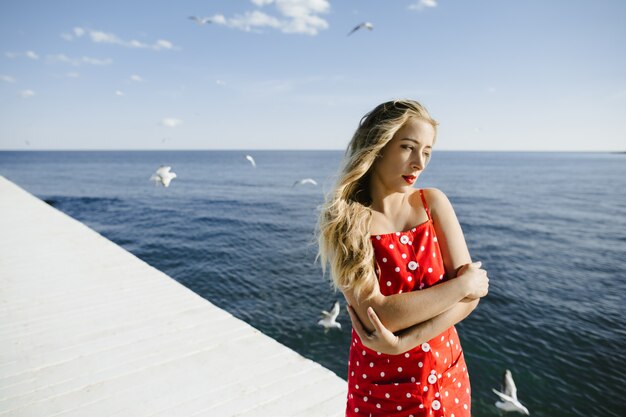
[425, 204]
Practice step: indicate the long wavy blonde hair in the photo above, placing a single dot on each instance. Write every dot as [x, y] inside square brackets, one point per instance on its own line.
[343, 225]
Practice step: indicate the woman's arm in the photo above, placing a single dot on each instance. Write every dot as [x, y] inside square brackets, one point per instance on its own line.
[384, 341]
[401, 311]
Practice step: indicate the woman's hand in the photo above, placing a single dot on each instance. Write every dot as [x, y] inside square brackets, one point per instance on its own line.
[475, 280]
[381, 340]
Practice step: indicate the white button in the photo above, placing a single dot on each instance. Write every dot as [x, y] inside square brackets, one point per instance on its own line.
[432, 379]
[412, 265]
[436, 405]
[425, 347]
[404, 239]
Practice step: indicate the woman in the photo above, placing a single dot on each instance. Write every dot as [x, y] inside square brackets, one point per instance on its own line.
[399, 256]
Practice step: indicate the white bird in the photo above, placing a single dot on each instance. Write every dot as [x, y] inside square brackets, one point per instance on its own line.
[328, 320]
[200, 21]
[304, 181]
[251, 159]
[366, 25]
[163, 176]
[509, 396]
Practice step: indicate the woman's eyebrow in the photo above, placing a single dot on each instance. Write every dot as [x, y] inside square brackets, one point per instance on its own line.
[413, 140]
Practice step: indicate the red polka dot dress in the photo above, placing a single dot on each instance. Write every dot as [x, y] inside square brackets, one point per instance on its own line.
[429, 380]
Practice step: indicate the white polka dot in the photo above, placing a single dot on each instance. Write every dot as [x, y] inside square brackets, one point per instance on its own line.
[399, 369]
[364, 376]
[365, 399]
[371, 364]
[389, 283]
[387, 395]
[435, 238]
[378, 353]
[384, 259]
[425, 388]
[397, 233]
[446, 393]
[404, 239]
[382, 374]
[430, 270]
[377, 237]
[447, 344]
[357, 386]
[351, 396]
[433, 372]
[413, 265]
[406, 355]
[432, 379]
[399, 408]
[465, 406]
[422, 248]
[400, 292]
[420, 364]
[425, 347]
[404, 256]
[352, 373]
[437, 394]
[459, 385]
[456, 400]
[356, 410]
[363, 353]
[412, 379]
[391, 246]
[445, 360]
[426, 233]
[436, 405]
[434, 256]
[421, 405]
[410, 242]
[441, 276]
[377, 405]
[437, 353]
[467, 390]
[397, 269]
[408, 395]
[409, 278]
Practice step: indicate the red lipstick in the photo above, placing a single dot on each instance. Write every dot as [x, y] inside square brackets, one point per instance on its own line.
[410, 179]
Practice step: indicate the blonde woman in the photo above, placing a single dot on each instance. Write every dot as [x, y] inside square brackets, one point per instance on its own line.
[399, 257]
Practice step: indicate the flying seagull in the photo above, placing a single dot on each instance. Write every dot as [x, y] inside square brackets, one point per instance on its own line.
[328, 320]
[251, 159]
[366, 25]
[509, 399]
[200, 21]
[304, 181]
[163, 176]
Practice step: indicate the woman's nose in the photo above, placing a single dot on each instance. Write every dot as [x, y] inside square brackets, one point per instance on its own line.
[418, 163]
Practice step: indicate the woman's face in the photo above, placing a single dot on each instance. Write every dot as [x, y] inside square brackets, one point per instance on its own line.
[406, 155]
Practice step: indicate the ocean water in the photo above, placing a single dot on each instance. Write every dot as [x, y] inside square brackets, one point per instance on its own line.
[550, 228]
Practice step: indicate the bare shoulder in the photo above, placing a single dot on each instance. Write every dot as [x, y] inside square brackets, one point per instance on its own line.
[435, 198]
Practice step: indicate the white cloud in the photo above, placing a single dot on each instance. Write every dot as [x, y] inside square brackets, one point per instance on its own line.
[27, 93]
[119, 93]
[99, 36]
[171, 122]
[73, 74]
[7, 78]
[27, 54]
[295, 16]
[136, 77]
[422, 4]
[79, 61]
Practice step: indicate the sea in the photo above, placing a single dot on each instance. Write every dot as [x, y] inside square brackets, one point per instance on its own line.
[549, 228]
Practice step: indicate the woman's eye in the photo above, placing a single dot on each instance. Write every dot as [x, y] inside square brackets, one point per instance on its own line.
[407, 147]
[427, 154]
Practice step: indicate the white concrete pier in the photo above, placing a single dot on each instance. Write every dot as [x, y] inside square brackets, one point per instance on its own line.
[88, 329]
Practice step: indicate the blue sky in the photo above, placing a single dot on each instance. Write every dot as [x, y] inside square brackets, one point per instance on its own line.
[282, 74]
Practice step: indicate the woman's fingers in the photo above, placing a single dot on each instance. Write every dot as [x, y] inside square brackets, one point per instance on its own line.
[378, 326]
[356, 324]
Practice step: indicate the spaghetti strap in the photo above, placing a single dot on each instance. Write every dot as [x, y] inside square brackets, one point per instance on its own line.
[425, 204]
